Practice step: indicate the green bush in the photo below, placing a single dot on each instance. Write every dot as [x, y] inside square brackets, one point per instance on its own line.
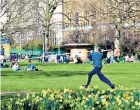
[83, 99]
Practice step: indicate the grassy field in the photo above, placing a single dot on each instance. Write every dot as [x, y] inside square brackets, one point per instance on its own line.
[71, 76]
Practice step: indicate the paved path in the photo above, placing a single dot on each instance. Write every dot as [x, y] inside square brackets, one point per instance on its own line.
[3, 93]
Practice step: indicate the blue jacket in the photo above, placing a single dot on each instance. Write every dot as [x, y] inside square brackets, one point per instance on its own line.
[96, 57]
[31, 66]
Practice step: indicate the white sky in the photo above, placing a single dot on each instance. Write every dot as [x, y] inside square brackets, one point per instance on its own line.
[2, 20]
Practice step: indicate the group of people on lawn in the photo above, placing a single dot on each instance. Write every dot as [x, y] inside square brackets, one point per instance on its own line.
[16, 67]
[114, 57]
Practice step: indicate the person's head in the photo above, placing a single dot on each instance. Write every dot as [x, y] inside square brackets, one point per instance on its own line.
[16, 62]
[96, 49]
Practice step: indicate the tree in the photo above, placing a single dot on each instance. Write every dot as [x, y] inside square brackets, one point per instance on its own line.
[19, 17]
[116, 15]
[29, 15]
[33, 45]
[121, 14]
[130, 42]
[47, 13]
[13, 11]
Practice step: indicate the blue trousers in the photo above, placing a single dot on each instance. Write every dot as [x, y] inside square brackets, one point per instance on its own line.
[97, 70]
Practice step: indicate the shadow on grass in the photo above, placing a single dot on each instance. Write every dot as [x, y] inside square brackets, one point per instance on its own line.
[41, 64]
[51, 73]
[34, 74]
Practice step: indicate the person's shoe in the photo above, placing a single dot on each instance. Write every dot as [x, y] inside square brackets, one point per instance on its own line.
[113, 86]
[85, 86]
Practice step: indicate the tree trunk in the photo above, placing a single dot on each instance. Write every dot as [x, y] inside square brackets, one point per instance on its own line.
[47, 25]
[117, 37]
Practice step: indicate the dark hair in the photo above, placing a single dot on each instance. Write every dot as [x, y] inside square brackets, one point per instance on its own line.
[29, 60]
[99, 48]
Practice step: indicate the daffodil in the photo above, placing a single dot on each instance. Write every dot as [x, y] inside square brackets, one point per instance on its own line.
[96, 87]
[48, 90]
[69, 96]
[81, 88]
[103, 96]
[104, 101]
[56, 91]
[58, 96]
[27, 96]
[21, 100]
[103, 91]
[9, 106]
[66, 90]
[89, 96]
[97, 102]
[83, 102]
[33, 95]
[18, 95]
[40, 99]
[119, 102]
[133, 107]
[137, 103]
[98, 92]
[111, 90]
[51, 97]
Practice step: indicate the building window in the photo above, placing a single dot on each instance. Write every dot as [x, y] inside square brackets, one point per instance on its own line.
[86, 18]
[77, 18]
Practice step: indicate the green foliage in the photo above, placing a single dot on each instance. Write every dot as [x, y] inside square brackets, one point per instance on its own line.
[82, 99]
[32, 44]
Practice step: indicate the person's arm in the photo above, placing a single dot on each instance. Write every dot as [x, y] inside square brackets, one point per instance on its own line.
[104, 54]
[90, 56]
[27, 67]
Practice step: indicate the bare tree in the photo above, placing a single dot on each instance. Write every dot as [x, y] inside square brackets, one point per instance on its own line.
[130, 41]
[120, 14]
[28, 15]
[114, 15]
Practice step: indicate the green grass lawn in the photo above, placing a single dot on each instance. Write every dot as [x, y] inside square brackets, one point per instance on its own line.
[71, 76]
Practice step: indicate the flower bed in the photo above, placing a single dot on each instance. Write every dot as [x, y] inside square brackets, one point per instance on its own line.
[82, 99]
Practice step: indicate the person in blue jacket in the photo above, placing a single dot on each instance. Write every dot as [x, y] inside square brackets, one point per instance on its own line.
[96, 57]
[30, 67]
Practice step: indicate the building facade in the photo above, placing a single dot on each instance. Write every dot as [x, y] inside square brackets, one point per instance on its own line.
[99, 21]
[83, 25]
[56, 31]
[24, 21]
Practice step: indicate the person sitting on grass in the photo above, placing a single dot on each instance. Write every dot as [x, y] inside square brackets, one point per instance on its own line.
[132, 59]
[30, 67]
[15, 66]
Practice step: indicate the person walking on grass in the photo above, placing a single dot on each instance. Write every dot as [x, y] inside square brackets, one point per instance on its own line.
[96, 57]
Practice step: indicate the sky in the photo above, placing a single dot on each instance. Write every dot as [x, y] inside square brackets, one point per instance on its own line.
[2, 20]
